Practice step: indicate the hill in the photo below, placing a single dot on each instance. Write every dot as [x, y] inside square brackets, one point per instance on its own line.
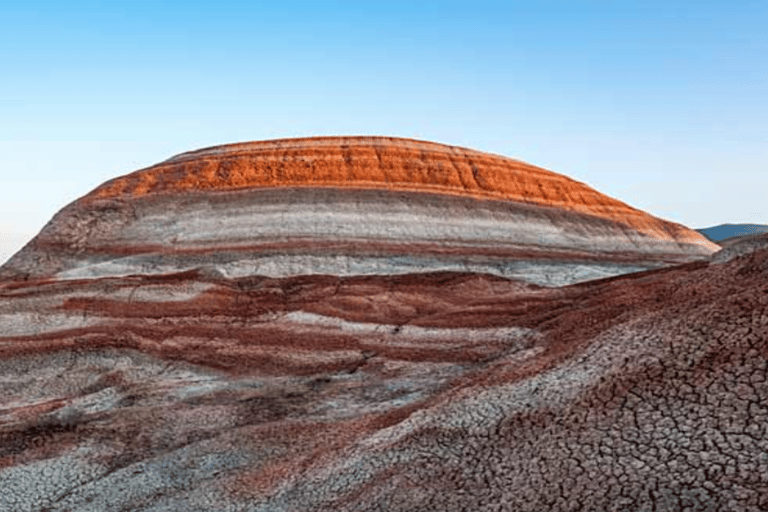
[351, 206]
[726, 233]
[187, 386]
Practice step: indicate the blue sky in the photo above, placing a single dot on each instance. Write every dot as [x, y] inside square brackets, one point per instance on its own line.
[662, 104]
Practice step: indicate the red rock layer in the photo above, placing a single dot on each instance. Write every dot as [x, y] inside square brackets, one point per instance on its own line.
[420, 392]
[384, 163]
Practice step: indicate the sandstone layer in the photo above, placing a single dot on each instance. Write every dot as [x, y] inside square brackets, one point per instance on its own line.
[351, 206]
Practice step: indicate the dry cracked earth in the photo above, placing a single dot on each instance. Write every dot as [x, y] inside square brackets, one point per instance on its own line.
[170, 381]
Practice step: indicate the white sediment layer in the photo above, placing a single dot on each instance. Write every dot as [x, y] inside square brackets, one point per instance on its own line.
[456, 223]
[410, 333]
[31, 324]
[286, 232]
[545, 273]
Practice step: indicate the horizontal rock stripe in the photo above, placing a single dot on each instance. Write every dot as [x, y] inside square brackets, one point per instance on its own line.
[387, 163]
[431, 392]
[531, 224]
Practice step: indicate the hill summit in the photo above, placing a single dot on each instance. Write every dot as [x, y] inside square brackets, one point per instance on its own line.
[351, 206]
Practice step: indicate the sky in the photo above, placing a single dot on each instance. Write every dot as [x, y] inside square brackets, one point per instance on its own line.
[661, 104]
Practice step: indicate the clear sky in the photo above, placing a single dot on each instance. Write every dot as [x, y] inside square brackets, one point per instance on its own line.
[662, 104]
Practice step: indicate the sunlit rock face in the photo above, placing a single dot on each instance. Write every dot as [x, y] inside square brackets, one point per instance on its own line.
[161, 374]
[351, 206]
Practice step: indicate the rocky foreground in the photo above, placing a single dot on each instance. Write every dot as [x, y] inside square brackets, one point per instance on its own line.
[203, 389]
[421, 392]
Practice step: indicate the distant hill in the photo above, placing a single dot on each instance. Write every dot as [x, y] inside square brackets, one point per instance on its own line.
[724, 232]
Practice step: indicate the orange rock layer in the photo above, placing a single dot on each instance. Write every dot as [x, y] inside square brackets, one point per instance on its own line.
[384, 163]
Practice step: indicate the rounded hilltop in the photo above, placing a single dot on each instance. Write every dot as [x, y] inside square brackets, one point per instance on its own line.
[389, 163]
[353, 205]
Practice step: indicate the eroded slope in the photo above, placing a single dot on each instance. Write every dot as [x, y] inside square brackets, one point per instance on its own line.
[432, 392]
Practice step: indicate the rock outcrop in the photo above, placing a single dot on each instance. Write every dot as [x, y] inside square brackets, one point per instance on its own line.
[432, 391]
[436, 392]
[740, 246]
[351, 206]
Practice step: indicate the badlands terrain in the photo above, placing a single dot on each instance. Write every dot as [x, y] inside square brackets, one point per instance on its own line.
[378, 324]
